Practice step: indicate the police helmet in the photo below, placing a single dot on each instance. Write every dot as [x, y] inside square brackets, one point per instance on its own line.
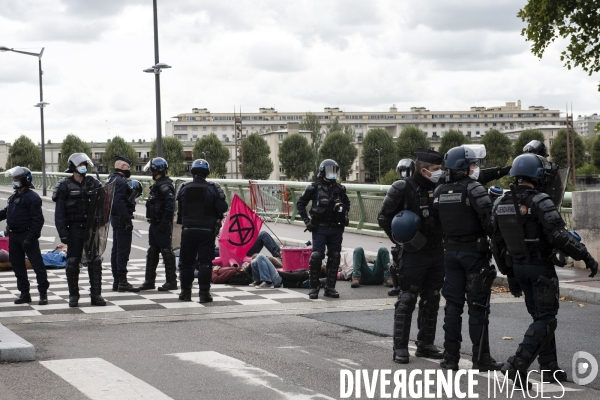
[459, 158]
[528, 165]
[536, 147]
[200, 167]
[21, 173]
[407, 165]
[405, 231]
[157, 165]
[495, 192]
[77, 158]
[329, 170]
[136, 190]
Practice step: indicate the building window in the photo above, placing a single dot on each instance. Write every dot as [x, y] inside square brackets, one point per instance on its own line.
[443, 125]
[477, 125]
[281, 126]
[194, 127]
[224, 128]
[477, 133]
[424, 125]
[190, 118]
[204, 128]
[434, 125]
[281, 137]
[281, 170]
[224, 137]
[468, 133]
[180, 127]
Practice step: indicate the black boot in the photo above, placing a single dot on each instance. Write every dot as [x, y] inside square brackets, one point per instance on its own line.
[451, 356]
[316, 258]
[25, 297]
[151, 264]
[95, 274]
[186, 294]
[205, 296]
[394, 292]
[516, 370]
[125, 286]
[487, 363]
[552, 372]
[333, 265]
[72, 273]
[401, 356]
[115, 285]
[404, 308]
[170, 271]
[427, 321]
[43, 299]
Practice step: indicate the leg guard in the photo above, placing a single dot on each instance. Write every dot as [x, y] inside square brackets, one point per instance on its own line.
[204, 276]
[333, 266]
[427, 322]
[72, 273]
[452, 328]
[451, 355]
[170, 270]
[404, 308]
[316, 259]
[151, 264]
[95, 274]
[478, 321]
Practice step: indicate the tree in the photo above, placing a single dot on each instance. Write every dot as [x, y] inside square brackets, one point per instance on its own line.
[335, 126]
[596, 153]
[215, 153]
[311, 123]
[72, 144]
[390, 177]
[24, 153]
[498, 148]
[118, 147]
[173, 153]
[576, 21]
[558, 150]
[411, 138]
[338, 146]
[296, 157]
[452, 138]
[378, 138]
[525, 137]
[257, 163]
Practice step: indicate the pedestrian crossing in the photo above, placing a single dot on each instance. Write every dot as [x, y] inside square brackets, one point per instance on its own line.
[58, 295]
[99, 379]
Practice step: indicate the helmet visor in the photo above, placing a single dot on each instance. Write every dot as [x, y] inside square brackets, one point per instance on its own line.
[79, 158]
[331, 172]
[147, 166]
[15, 172]
[479, 152]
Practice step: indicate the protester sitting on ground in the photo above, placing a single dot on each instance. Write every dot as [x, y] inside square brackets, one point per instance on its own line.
[264, 239]
[363, 274]
[264, 271]
[230, 276]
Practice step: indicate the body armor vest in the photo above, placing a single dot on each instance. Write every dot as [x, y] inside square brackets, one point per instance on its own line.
[78, 199]
[420, 201]
[196, 211]
[155, 205]
[328, 207]
[458, 217]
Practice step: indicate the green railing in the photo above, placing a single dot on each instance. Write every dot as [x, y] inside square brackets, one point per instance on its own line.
[366, 199]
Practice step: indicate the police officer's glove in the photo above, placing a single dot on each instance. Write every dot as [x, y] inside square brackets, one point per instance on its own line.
[591, 264]
[504, 170]
[309, 225]
[28, 242]
[514, 287]
[64, 240]
[164, 225]
[128, 226]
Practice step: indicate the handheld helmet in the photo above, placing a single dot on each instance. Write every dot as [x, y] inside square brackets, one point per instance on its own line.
[405, 231]
[495, 192]
[78, 158]
[157, 165]
[559, 257]
[536, 147]
[329, 170]
[200, 167]
[459, 158]
[135, 190]
[407, 166]
[21, 173]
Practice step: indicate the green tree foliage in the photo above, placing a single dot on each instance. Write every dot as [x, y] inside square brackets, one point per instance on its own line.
[378, 138]
[498, 148]
[338, 146]
[311, 123]
[525, 137]
[411, 138]
[575, 21]
[588, 169]
[558, 150]
[596, 153]
[336, 126]
[173, 153]
[217, 154]
[24, 153]
[453, 138]
[119, 147]
[257, 163]
[589, 143]
[72, 144]
[390, 177]
[296, 157]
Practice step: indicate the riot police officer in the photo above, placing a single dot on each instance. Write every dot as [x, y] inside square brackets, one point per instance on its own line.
[200, 209]
[328, 217]
[72, 197]
[123, 207]
[417, 269]
[465, 209]
[527, 231]
[24, 220]
[405, 167]
[159, 212]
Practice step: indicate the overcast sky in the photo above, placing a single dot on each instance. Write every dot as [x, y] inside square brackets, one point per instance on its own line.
[300, 55]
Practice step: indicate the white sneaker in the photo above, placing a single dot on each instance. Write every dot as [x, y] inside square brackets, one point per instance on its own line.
[265, 285]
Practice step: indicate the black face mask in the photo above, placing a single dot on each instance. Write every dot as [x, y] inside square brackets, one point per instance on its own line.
[126, 173]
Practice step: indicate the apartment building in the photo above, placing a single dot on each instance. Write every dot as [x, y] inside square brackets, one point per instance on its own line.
[585, 125]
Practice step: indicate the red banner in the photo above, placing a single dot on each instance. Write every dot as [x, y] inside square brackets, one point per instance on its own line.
[238, 234]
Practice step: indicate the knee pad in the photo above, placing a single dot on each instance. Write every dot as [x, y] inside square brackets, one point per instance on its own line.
[406, 302]
[474, 283]
[316, 258]
[72, 265]
[96, 263]
[545, 294]
[430, 300]
[333, 259]
[477, 308]
[167, 254]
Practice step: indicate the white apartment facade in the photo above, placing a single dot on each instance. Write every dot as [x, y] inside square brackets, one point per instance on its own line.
[585, 125]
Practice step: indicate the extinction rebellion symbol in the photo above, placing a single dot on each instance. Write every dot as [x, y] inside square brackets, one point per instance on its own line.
[241, 230]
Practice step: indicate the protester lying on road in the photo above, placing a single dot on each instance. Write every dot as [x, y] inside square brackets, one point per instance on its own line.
[363, 274]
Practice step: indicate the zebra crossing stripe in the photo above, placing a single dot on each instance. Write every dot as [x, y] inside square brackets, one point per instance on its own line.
[249, 374]
[100, 380]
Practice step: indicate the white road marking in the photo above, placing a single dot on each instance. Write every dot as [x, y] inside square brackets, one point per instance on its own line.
[133, 246]
[99, 379]
[249, 374]
[47, 238]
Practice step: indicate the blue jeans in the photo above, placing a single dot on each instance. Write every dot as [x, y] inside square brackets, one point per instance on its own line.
[264, 270]
[264, 240]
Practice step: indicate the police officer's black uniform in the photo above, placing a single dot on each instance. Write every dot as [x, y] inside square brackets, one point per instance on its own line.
[122, 211]
[527, 231]
[422, 272]
[200, 208]
[465, 210]
[329, 213]
[159, 212]
[25, 220]
[72, 200]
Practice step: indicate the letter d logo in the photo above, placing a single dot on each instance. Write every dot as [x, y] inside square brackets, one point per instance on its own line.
[583, 367]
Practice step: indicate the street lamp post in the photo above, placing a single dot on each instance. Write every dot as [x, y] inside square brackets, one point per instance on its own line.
[379, 154]
[155, 69]
[41, 105]
[204, 154]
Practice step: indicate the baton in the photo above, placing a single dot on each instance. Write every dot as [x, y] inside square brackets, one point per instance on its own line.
[487, 311]
[136, 233]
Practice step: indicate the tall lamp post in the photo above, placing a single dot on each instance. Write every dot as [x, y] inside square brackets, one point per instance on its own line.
[155, 69]
[379, 153]
[41, 105]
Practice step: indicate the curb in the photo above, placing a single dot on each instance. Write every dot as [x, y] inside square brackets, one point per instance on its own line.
[13, 347]
[570, 292]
